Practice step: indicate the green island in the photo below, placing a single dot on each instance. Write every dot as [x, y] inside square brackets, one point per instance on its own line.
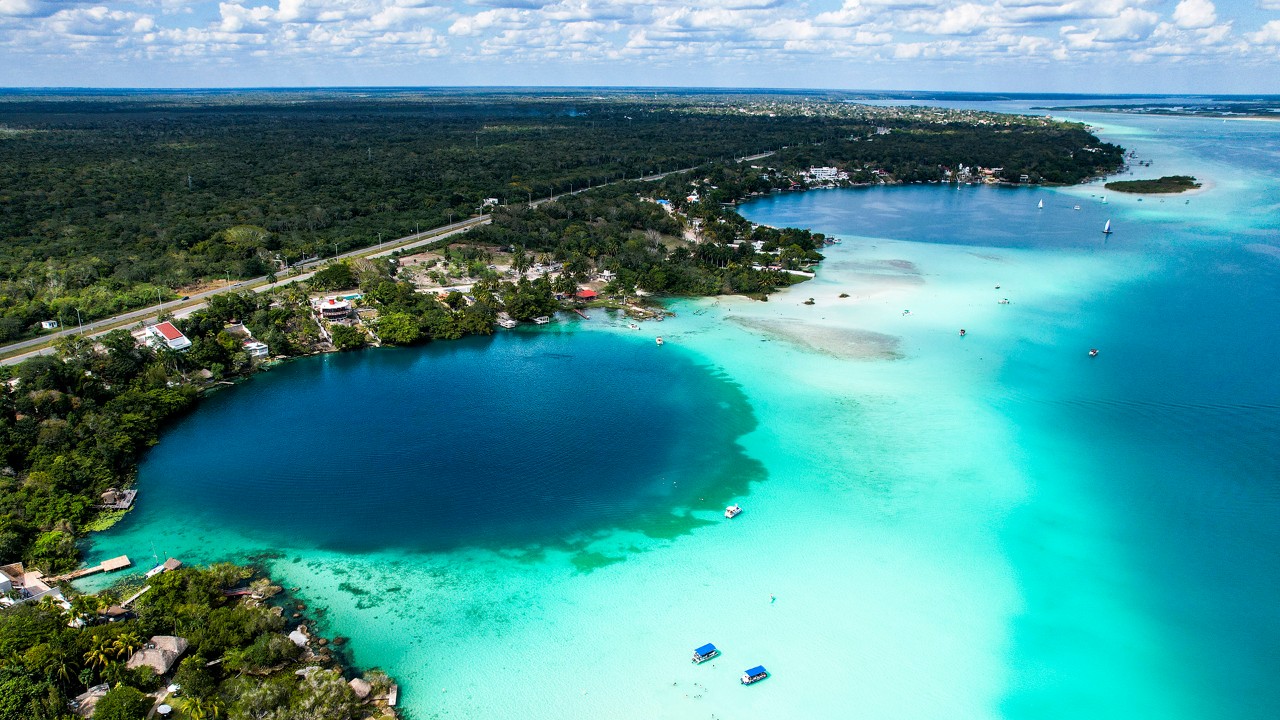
[1166, 184]
[111, 202]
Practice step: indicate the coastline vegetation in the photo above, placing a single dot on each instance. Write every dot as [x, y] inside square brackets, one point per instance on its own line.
[240, 663]
[103, 210]
[115, 202]
[1166, 184]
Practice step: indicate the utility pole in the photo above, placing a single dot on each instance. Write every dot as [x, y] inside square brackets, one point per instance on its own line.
[79, 321]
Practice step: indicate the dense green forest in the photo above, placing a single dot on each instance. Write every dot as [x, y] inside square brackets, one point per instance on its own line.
[109, 203]
[1166, 184]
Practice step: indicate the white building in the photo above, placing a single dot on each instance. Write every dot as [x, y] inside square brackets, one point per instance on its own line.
[29, 586]
[48, 324]
[256, 349]
[166, 335]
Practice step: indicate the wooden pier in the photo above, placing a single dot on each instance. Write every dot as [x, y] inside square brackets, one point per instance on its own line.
[583, 314]
[116, 563]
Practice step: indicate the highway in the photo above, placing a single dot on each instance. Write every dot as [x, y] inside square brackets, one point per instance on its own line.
[17, 352]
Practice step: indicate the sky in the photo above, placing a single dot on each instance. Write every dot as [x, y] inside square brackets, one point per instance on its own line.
[1085, 46]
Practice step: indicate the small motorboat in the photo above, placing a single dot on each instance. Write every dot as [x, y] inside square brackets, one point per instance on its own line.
[633, 326]
[508, 323]
[733, 511]
[542, 319]
[1077, 207]
[1093, 352]
[962, 333]
[754, 675]
[658, 340]
[704, 653]
[906, 312]
[1003, 301]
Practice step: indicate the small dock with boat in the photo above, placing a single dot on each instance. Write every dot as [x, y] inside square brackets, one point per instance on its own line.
[115, 563]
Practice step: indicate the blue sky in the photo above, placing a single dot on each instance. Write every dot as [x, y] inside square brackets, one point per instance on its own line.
[983, 45]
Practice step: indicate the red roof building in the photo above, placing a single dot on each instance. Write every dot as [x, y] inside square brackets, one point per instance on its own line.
[586, 294]
[166, 334]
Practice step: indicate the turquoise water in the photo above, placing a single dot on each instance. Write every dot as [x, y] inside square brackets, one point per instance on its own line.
[993, 526]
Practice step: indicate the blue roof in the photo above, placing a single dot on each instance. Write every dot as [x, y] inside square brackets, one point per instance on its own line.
[706, 649]
[757, 670]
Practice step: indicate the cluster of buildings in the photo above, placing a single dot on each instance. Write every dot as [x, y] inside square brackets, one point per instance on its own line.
[165, 335]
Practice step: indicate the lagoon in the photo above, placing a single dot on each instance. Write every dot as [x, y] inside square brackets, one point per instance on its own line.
[993, 526]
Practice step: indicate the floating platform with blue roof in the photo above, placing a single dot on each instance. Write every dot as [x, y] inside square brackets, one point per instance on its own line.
[705, 653]
[754, 675]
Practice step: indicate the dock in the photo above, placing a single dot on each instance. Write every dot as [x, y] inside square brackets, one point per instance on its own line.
[393, 696]
[582, 313]
[115, 563]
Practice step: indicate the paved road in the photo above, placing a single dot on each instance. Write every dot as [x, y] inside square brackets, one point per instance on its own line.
[42, 345]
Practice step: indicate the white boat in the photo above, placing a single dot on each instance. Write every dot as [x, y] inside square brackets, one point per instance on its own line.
[1093, 352]
[1003, 301]
[508, 323]
[1077, 207]
[1104, 199]
[633, 326]
[542, 319]
[1041, 205]
[733, 510]
[658, 340]
[1106, 229]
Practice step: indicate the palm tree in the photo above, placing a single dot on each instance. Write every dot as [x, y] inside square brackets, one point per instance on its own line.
[197, 708]
[126, 644]
[100, 655]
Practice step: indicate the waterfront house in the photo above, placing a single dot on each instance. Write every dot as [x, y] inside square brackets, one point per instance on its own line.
[19, 585]
[586, 294]
[166, 335]
[160, 654]
[334, 308]
[256, 349]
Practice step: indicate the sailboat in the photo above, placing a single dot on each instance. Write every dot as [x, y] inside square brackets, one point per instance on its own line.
[1106, 229]
[1041, 205]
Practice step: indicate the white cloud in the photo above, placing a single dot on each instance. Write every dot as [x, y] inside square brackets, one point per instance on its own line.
[1268, 34]
[1193, 14]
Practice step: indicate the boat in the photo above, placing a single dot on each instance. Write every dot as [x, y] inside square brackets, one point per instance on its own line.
[733, 511]
[705, 653]
[1040, 206]
[633, 326]
[1093, 352]
[1003, 301]
[1104, 199]
[961, 332]
[754, 675]
[1077, 207]
[508, 323]
[658, 340]
[542, 319]
[1106, 229]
